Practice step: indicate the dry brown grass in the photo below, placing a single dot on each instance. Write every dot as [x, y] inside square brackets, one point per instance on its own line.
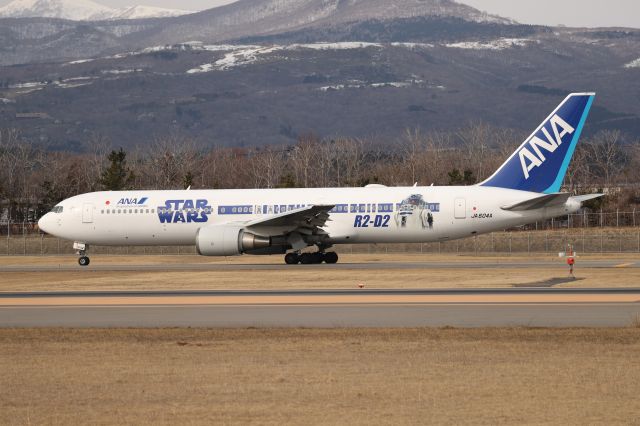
[299, 376]
[304, 279]
[299, 277]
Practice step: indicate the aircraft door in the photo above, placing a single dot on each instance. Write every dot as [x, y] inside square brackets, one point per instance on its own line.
[87, 213]
[460, 208]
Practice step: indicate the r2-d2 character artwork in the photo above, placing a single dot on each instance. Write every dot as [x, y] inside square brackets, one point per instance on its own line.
[414, 213]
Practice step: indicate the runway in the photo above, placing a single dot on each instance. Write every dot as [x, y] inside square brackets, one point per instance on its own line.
[325, 308]
[71, 265]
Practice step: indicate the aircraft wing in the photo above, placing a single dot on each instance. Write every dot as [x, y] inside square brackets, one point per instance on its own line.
[306, 220]
[547, 200]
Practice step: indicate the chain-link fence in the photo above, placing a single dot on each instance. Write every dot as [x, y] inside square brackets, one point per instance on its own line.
[585, 240]
[601, 219]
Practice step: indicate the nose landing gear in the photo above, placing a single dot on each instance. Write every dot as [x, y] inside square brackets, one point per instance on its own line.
[81, 250]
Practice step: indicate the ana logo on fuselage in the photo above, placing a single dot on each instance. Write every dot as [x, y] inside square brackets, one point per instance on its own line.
[132, 201]
[531, 156]
[184, 211]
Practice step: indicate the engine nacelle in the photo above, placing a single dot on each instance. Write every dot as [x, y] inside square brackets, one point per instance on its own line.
[221, 240]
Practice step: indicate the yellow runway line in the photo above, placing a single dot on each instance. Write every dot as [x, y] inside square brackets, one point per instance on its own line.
[320, 300]
[624, 265]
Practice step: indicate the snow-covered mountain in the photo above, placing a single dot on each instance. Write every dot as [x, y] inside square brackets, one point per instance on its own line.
[262, 17]
[82, 10]
[140, 12]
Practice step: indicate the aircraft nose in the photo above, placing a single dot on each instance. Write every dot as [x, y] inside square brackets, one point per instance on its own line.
[45, 223]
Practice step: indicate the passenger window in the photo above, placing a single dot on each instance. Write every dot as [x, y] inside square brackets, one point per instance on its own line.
[152, 210]
[136, 211]
[101, 211]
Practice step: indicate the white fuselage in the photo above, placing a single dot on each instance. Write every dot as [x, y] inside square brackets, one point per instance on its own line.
[361, 215]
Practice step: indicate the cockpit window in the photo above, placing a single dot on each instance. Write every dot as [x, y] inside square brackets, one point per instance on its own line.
[57, 209]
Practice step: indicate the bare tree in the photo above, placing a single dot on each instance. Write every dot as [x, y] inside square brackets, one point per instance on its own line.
[170, 158]
[607, 155]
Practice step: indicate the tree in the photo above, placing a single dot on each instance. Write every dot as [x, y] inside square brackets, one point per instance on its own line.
[607, 155]
[464, 178]
[117, 176]
[287, 181]
[187, 180]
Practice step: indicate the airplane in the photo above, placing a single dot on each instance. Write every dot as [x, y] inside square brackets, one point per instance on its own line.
[525, 189]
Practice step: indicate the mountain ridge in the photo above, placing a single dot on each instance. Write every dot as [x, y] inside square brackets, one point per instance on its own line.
[263, 17]
[82, 10]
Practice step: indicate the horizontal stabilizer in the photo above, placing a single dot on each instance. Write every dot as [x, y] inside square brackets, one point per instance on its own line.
[547, 200]
[587, 197]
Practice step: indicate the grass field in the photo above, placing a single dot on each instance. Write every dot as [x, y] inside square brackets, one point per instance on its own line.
[300, 376]
[301, 277]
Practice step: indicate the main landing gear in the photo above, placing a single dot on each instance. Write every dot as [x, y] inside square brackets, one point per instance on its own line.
[81, 250]
[311, 258]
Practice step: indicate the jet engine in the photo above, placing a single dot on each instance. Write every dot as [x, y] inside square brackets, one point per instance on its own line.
[225, 240]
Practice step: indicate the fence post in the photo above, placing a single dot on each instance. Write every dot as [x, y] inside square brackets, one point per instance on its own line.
[546, 242]
[529, 242]
[617, 218]
[620, 241]
[634, 216]
[510, 251]
[600, 218]
[24, 240]
[41, 244]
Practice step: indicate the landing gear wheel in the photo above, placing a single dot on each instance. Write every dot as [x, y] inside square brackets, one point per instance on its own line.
[292, 258]
[317, 258]
[83, 261]
[331, 257]
[306, 258]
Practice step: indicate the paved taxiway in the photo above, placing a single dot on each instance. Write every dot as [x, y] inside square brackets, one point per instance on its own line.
[71, 265]
[324, 308]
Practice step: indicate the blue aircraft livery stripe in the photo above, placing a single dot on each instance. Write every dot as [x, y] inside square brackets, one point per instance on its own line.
[540, 163]
[555, 187]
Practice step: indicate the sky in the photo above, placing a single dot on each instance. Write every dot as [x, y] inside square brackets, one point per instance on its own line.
[574, 13]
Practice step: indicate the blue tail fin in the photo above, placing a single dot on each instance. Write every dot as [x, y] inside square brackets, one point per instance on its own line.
[540, 163]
